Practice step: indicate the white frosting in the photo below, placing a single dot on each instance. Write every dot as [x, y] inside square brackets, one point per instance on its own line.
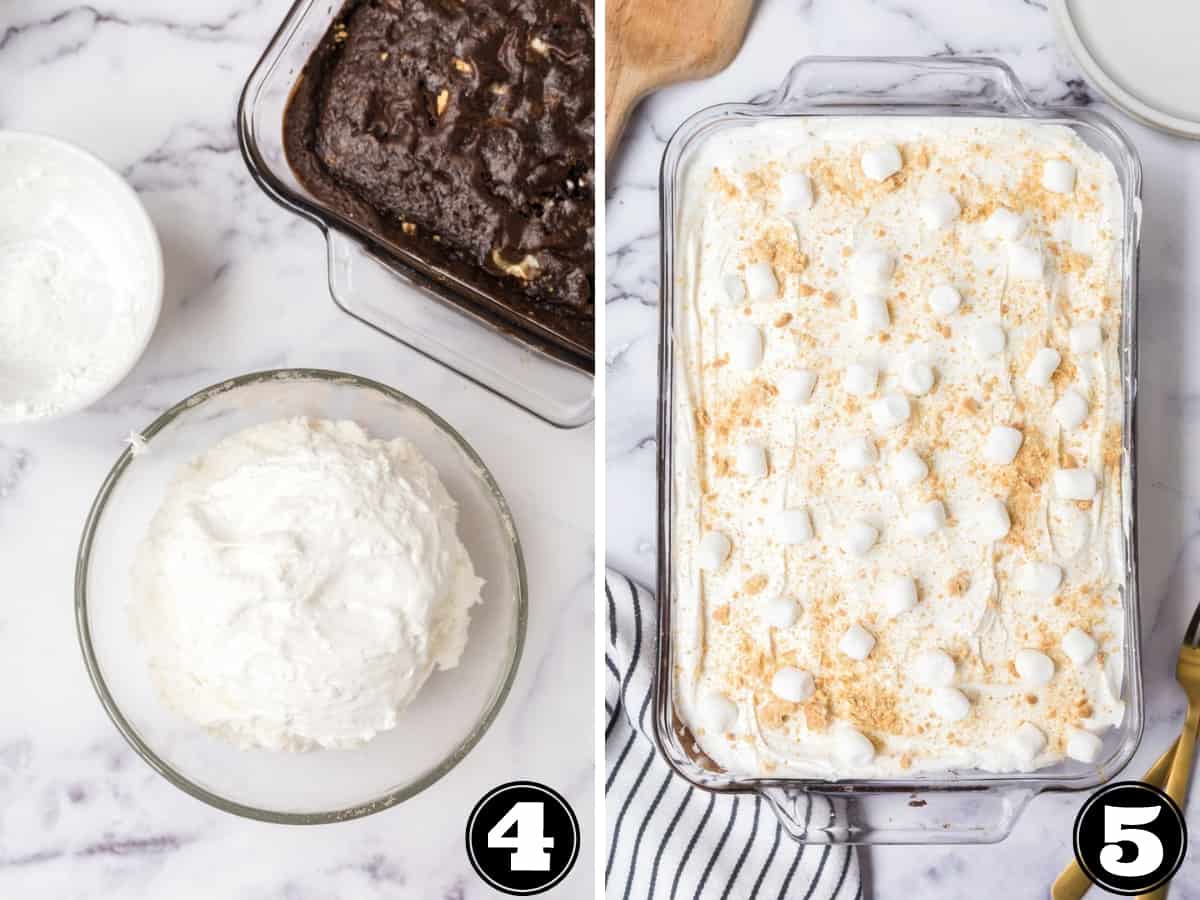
[883, 285]
[299, 584]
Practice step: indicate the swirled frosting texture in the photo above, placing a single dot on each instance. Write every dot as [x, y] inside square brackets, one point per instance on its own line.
[887, 407]
[299, 584]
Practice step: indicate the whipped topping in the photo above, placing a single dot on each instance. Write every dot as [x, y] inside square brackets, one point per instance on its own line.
[957, 454]
[299, 584]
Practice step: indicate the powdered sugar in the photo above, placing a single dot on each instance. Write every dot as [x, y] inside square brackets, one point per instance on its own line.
[80, 278]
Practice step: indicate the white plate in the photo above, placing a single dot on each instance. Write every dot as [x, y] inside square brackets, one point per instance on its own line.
[1144, 57]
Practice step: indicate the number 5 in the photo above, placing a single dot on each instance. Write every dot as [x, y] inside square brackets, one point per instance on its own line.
[530, 843]
[1149, 855]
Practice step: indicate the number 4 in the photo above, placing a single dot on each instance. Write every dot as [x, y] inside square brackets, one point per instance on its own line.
[1149, 852]
[529, 844]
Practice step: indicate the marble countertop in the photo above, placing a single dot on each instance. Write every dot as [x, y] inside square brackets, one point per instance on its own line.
[1021, 33]
[152, 88]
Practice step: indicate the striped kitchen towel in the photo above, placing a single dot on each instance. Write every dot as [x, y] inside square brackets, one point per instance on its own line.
[667, 839]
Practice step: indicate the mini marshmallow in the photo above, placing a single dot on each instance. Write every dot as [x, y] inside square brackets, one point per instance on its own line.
[860, 379]
[917, 378]
[882, 162]
[872, 312]
[908, 469]
[796, 386]
[898, 596]
[857, 642]
[989, 339]
[747, 350]
[760, 282]
[1004, 224]
[859, 538]
[1034, 668]
[873, 267]
[1075, 484]
[793, 685]
[857, 454]
[1079, 646]
[927, 518]
[1058, 176]
[735, 289]
[1026, 263]
[853, 748]
[714, 550]
[891, 411]
[1026, 743]
[1042, 578]
[933, 668]
[1086, 337]
[795, 526]
[796, 192]
[718, 713]
[950, 704]
[1071, 410]
[1084, 746]
[751, 460]
[939, 209]
[1045, 363]
[994, 522]
[780, 612]
[1002, 445]
[944, 299]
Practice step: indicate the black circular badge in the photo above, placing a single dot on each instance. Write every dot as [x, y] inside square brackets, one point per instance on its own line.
[1130, 838]
[522, 838]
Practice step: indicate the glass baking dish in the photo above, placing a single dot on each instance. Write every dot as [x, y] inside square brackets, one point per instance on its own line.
[388, 286]
[955, 807]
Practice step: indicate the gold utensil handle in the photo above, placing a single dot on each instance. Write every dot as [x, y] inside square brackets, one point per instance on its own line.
[1072, 884]
[1181, 770]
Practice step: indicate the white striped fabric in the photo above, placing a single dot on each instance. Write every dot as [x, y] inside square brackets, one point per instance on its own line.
[669, 840]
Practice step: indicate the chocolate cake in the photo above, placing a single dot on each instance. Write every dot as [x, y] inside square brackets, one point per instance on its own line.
[462, 131]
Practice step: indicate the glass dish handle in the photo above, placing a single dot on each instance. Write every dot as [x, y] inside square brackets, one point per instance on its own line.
[902, 82]
[385, 298]
[830, 815]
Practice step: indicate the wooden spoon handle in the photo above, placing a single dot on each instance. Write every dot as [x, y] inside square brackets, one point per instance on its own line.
[624, 86]
[1072, 883]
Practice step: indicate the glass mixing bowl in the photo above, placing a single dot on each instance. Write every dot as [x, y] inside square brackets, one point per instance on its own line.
[435, 732]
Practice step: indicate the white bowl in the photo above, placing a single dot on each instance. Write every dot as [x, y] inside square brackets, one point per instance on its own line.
[135, 240]
[434, 732]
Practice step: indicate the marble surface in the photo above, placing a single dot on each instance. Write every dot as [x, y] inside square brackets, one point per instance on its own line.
[1021, 33]
[152, 88]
